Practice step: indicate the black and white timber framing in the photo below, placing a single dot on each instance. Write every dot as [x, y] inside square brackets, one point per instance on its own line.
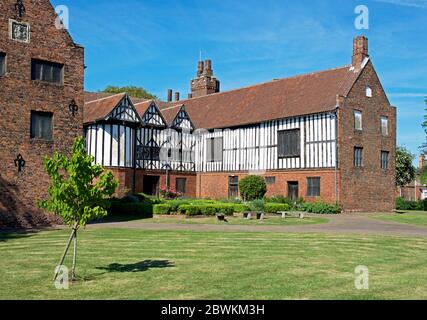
[179, 146]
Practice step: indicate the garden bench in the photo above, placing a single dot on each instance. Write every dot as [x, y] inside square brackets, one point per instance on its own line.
[286, 214]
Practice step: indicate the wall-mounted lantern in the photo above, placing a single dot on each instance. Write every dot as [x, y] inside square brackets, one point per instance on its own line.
[20, 8]
[73, 108]
[19, 162]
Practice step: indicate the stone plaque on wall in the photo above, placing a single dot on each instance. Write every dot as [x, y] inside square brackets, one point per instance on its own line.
[19, 31]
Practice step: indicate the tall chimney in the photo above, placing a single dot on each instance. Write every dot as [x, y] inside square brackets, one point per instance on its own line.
[200, 68]
[208, 68]
[422, 161]
[176, 96]
[360, 51]
[169, 95]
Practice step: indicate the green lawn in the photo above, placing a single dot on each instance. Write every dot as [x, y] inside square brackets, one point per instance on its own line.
[408, 217]
[138, 264]
[269, 221]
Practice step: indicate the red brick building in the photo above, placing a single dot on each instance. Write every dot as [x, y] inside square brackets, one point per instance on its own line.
[41, 76]
[328, 135]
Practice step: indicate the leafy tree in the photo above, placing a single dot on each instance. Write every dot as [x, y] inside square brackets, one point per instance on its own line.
[133, 91]
[79, 191]
[253, 188]
[405, 170]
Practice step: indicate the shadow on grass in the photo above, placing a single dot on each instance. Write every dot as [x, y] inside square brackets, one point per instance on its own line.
[13, 235]
[139, 266]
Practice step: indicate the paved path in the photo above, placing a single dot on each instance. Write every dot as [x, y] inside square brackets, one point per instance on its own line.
[343, 224]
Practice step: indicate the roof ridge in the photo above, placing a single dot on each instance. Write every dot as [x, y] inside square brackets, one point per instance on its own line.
[141, 102]
[97, 100]
[268, 82]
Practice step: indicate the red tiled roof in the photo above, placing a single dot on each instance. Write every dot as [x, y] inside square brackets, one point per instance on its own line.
[99, 109]
[279, 99]
[290, 97]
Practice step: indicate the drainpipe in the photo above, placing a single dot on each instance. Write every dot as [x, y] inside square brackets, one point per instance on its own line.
[135, 132]
[335, 114]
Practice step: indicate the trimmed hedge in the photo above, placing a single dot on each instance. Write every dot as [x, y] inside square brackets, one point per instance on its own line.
[321, 208]
[163, 209]
[276, 207]
[207, 209]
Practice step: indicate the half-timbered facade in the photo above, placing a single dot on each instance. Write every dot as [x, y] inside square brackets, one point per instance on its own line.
[315, 136]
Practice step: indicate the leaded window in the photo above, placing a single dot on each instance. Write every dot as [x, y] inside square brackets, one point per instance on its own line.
[289, 143]
[358, 122]
[233, 187]
[181, 185]
[385, 156]
[313, 187]
[2, 64]
[41, 125]
[47, 71]
[358, 157]
[384, 126]
[214, 149]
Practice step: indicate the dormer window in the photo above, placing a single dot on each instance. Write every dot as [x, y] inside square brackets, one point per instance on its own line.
[368, 92]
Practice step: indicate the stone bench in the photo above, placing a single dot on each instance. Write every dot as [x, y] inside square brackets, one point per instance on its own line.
[286, 214]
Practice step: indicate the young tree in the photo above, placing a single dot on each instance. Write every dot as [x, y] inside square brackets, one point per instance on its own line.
[405, 170]
[79, 191]
[133, 91]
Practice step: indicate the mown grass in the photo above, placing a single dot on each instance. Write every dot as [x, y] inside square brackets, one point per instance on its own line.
[418, 218]
[138, 264]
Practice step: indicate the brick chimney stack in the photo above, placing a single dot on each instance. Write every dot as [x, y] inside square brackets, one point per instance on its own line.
[208, 68]
[176, 96]
[200, 68]
[205, 83]
[422, 161]
[360, 51]
[169, 95]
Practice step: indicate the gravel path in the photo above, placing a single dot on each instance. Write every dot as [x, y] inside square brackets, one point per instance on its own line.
[340, 224]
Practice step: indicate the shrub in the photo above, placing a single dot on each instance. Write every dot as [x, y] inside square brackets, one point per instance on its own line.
[163, 209]
[402, 204]
[130, 199]
[253, 188]
[276, 207]
[144, 209]
[256, 205]
[321, 208]
[279, 199]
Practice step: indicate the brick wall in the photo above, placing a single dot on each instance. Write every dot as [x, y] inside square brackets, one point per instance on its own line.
[125, 178]
[368, 188]
[19, 95]
[215, 185]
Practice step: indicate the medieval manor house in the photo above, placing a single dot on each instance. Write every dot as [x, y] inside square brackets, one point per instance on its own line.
[327, 135]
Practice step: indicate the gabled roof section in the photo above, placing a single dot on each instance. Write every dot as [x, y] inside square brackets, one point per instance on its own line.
[150, 114]
[301, 95]
[113, 107]
[178, 118]
[125, 111]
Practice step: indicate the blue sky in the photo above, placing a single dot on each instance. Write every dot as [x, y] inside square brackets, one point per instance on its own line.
[156, 44]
